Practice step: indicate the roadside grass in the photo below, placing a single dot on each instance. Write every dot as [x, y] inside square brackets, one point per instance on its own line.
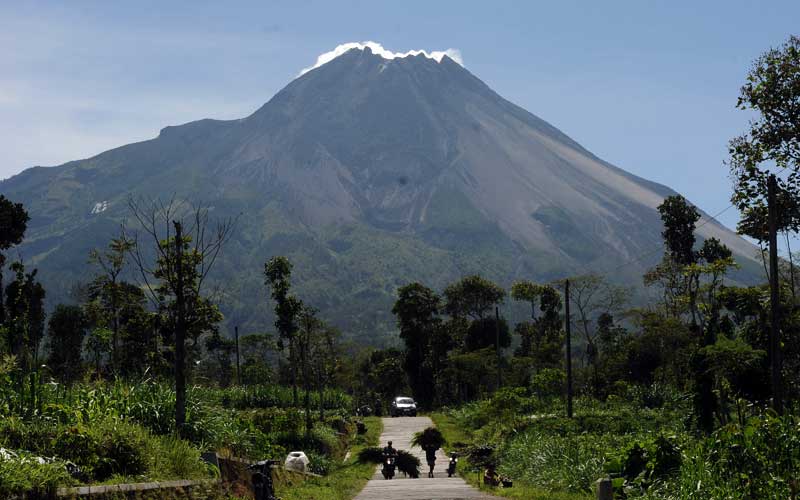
[455, 433]
[343, 481]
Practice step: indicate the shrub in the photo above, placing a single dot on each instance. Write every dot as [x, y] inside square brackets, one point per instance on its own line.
[319, 464]
[107, 448]
[32, 476]
[322, 440]
[175, 458]
[548, 383]
[571, 463]
[758, 458]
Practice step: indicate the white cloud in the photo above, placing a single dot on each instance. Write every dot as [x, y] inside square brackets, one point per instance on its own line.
[378, 49]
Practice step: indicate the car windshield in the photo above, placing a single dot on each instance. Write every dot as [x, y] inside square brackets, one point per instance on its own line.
[405, 401]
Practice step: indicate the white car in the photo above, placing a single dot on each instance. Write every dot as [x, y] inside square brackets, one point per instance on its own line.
[402, 405]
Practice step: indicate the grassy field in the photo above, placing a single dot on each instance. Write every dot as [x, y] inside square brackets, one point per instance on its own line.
[455, 433]
[343, 481]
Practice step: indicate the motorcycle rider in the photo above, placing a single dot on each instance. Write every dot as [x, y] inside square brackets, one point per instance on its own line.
[388, 451]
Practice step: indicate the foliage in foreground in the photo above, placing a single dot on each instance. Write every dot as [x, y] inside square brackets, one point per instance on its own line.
[26, 474]
[344, 479]
[648, 450]
[124, 432]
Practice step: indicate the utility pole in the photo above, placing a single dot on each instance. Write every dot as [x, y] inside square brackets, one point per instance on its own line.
[567, 327]
[774, 298]
[497, 345]
[238, 369]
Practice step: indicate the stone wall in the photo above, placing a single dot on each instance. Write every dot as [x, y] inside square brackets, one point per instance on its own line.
[167, 490]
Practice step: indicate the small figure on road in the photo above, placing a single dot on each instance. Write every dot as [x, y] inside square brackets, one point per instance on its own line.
[389, 451]
[430, 456]
[389, 457]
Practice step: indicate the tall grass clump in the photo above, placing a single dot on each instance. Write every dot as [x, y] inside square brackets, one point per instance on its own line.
[571, 463]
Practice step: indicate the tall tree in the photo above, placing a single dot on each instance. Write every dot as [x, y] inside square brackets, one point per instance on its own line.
[308, 335]
[473, 296]
[111, 264]
[684, 274]
[13, 223]
[526, 291]
[277, 276]
[186, 245]
[66, 330]
[417, 311]
[772, 144]
[541, 338]
[325, 353]
[592, 296]
[25, 316]
[679, 287]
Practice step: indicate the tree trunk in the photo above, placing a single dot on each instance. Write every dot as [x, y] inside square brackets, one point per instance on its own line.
[293, 369]
[321, 387]
[307, 388]
[115, 312]
[791, 267]
[2, 302]
[180, 334]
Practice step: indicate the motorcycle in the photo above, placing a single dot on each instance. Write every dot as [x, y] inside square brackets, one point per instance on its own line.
[388, 467]
[263, 487]
[451, 467]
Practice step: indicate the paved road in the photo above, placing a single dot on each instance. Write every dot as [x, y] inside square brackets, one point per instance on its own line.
[400, 431]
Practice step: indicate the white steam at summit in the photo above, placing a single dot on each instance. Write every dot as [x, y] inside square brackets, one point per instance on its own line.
[378, 49]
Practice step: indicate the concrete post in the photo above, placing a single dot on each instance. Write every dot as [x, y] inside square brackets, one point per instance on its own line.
[605, 490]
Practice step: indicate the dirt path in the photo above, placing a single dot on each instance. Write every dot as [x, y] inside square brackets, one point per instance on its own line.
[400, 431]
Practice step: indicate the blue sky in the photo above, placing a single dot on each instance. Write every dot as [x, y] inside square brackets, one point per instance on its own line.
[648, 86]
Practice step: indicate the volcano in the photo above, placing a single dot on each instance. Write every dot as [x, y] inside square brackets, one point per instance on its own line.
[368, 172]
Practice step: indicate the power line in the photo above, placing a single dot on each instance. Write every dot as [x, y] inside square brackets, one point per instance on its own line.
[647, 254]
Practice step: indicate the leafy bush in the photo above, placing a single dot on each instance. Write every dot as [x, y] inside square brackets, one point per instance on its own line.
[646, 463]
[32, 476]
[107, 448]
[653, 395]
[177, 458]
[323, 440]
[571, 463]
[548, 383]
[756, 459]
[319, 464]
[273, 396]
[481, 456]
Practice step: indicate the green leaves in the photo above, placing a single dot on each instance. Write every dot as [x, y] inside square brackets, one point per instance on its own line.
[431, 437]
[772, 144]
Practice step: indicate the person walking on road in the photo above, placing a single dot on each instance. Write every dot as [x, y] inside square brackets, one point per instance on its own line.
[430, 456]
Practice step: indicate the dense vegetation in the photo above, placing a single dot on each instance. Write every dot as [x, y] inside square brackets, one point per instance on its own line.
[134, 381]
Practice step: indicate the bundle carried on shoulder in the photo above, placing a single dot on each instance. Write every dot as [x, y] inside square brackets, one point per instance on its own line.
[429, 438]
[370, 455]
[408, 464]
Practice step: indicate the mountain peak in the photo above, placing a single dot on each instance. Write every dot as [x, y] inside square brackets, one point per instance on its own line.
[375, 170]
[378, 49]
